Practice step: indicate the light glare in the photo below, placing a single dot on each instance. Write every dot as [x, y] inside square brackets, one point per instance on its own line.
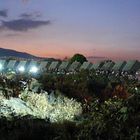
[21, 69]
[33, 69]
[1, 67]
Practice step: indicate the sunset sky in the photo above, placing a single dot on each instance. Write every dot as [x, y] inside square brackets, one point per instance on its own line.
[60, 28]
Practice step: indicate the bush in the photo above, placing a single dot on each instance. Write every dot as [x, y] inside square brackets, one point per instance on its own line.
[114, 119]
[36, 129]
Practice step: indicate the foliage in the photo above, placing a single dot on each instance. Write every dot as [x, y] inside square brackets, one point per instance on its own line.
[79, 58]
[42, 106]
[85, 85]
[113, 119]
[110, 108]
[25, 128]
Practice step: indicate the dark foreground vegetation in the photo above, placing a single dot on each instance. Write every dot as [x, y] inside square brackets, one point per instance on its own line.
[111, 110]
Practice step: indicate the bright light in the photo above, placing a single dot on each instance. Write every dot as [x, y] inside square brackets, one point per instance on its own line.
[33, 69]
[21, 69]
[1, 67]
[136, 88]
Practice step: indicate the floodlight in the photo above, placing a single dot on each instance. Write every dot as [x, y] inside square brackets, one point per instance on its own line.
[21, 69]
[33, 69]
[1, 67]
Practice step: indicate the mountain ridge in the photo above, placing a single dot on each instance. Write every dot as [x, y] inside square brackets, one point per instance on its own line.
[13, 53]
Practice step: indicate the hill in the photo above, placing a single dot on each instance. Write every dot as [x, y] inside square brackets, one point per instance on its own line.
[12, 53]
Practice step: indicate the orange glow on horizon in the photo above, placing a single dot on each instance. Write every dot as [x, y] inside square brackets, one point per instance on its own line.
[60, 50]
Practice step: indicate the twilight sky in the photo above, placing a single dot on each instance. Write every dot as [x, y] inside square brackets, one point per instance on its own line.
[59, 28]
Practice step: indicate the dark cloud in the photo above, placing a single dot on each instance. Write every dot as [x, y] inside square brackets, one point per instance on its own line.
[30, 15]
[3, 13]
[38, 14]
[23, 24]
[25, 15]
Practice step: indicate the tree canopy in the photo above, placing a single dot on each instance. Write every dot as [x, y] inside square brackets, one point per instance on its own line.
[79, 58]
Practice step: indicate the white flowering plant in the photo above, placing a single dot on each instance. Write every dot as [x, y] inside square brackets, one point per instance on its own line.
[41, 106]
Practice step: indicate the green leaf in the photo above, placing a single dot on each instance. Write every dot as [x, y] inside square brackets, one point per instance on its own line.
[123, 110]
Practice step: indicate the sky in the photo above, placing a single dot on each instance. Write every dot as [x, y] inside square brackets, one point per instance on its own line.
[61, 28]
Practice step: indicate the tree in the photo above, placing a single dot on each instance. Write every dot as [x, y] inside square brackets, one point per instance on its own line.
[79, 58]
